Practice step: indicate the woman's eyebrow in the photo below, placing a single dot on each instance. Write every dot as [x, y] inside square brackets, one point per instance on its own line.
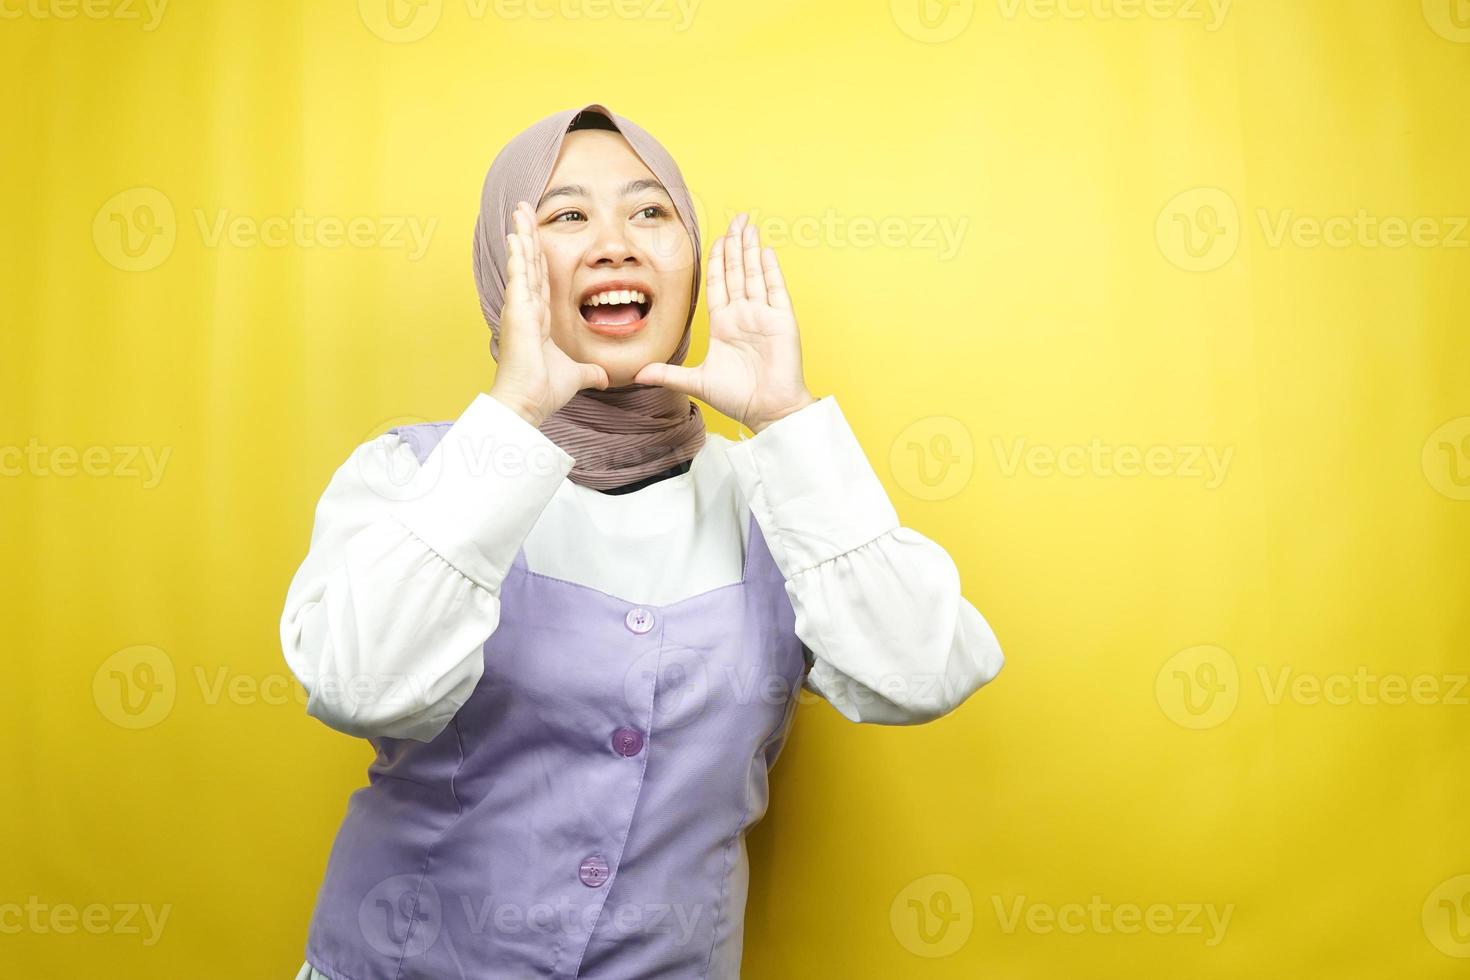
[577, 190]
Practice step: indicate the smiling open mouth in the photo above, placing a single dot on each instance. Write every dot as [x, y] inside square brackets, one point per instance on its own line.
[616, 312]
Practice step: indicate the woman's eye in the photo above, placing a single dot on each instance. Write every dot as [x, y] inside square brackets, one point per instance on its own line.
[658, 212]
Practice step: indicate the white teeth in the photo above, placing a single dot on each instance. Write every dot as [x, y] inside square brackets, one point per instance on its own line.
[615, 296]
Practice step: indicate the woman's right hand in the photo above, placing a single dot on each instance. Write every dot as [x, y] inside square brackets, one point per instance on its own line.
[535, 376]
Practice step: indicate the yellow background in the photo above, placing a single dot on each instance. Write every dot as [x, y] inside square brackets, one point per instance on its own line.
[1121, 281]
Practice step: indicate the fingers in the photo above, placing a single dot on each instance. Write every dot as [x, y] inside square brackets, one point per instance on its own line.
[515, 263]
[515, 269]
[755, 280]
[740, 268]
[688, 381]
[734, 267]
[593, 376]
[527, 276]
[526, 226]
[717, 295]
[737, 255]
[545, 276]
[776, 292]
[538, 263]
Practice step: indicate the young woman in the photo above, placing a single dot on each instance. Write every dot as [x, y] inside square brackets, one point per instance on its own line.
[576, 633]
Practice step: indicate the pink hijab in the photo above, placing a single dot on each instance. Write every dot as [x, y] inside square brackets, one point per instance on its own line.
[625, 433]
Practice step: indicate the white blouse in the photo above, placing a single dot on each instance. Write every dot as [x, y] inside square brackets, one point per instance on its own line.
[386, 618]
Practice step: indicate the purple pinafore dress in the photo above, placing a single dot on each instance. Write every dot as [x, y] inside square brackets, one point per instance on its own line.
[584, 813]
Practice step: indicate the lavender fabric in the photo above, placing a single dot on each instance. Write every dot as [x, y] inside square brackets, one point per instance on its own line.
[584, 814]
[626, 432]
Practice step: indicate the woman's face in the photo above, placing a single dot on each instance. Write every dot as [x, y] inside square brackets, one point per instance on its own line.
[605, 222]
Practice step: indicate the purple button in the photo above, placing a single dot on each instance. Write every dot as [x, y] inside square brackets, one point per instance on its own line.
[639, 620]
[593, 871]
[627, 741]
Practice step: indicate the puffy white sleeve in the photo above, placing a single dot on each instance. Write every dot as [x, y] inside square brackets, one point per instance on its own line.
[386, 617]
[878, 605]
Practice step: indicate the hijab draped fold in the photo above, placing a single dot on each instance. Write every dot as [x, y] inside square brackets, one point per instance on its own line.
[625, 433]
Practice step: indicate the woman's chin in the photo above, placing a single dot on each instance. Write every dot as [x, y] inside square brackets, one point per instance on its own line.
[620, 371]
[623, 365]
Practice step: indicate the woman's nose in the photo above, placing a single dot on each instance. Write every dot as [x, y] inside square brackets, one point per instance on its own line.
[610, 244]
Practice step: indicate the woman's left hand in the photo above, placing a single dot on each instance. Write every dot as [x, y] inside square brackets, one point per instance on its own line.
[752, 372]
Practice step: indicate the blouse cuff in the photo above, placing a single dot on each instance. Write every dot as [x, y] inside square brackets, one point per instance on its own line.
[477, 495]
[811, 488]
